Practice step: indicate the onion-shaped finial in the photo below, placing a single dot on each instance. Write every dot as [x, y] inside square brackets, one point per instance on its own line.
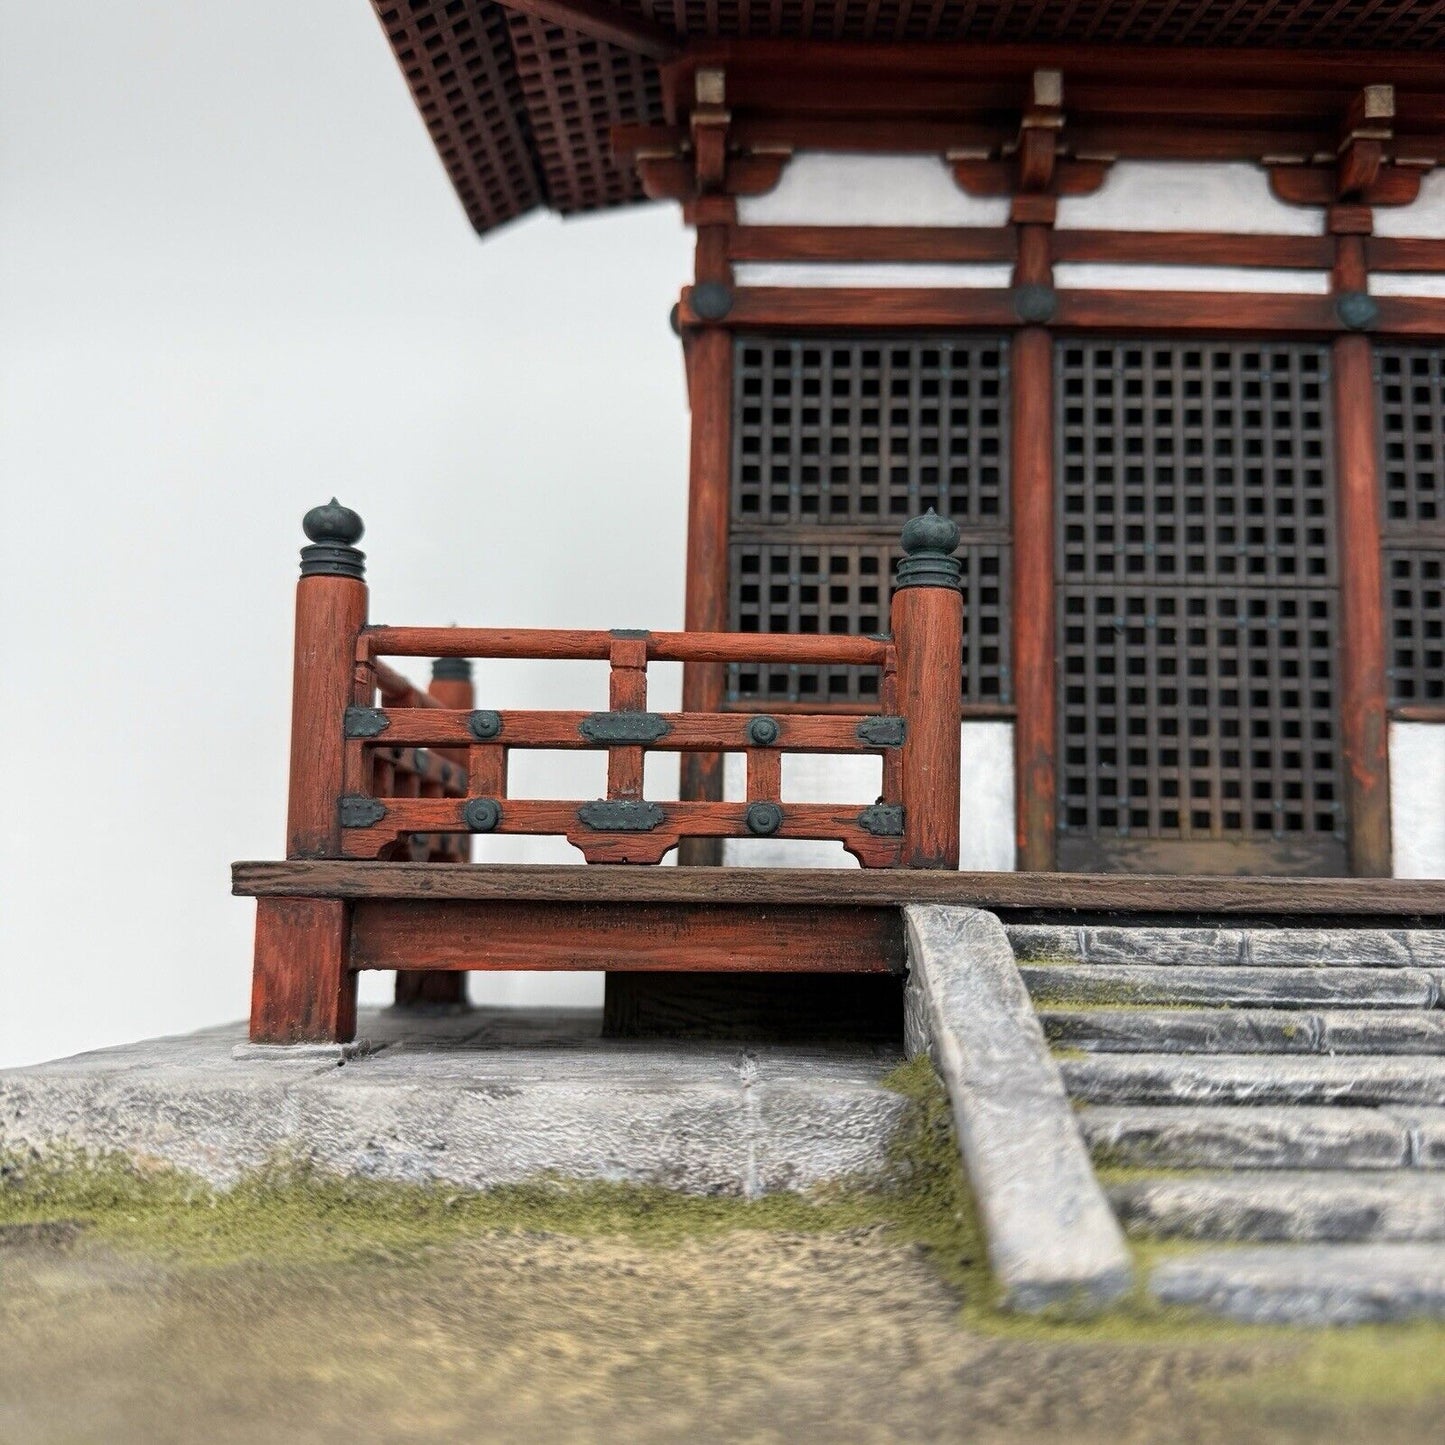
[929, 543]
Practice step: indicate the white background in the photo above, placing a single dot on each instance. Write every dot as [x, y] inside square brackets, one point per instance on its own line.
[234, 279]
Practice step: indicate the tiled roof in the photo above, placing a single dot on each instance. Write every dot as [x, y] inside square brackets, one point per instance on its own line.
[519, 109]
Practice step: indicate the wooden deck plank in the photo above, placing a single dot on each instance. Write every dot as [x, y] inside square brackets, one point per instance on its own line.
[1403, 900]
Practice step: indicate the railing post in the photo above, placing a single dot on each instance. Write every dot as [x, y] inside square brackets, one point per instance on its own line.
[927, 620]
[451, 685]
[302, 987]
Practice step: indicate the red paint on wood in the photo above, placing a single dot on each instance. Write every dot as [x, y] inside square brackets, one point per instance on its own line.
[302, 986]
[630, 936]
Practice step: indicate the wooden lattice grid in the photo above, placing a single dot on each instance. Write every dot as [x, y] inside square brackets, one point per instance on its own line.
[843, 587]
[837, 441]
[1197, 463]
[1197, 604]
[1199, 714]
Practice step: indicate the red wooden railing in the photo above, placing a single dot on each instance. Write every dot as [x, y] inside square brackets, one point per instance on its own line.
[415, 776]
[383, 769]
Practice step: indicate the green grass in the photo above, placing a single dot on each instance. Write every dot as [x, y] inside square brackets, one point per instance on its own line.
[288, 1214]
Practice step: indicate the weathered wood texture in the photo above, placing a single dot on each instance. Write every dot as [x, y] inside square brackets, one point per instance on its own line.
[330, 612]
[302, 986]
[710, 389]
[928, 628]
[1364, 697]
[849, 887]
[609, 935]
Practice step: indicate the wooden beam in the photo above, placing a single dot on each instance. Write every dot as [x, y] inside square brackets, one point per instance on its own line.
[600, 21]
[1410, 898]
[662, 937]
[1363, 694]
[938, 244]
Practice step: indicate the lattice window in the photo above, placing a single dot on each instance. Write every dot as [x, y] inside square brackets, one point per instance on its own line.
[1410, 389]
[1199, 714]
[1195, 464]
[1197, 606]
[843, 588]
[837, 441]
[1415, 596]
[870, 432]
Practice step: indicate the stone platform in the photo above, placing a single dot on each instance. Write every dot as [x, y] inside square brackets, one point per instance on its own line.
[476, 1099]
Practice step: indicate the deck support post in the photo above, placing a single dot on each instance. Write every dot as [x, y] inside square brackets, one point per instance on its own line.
[303, 988]
[927, 620]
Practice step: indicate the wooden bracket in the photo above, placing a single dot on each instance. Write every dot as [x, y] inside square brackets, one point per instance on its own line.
[1368, 129]
[1038, 142]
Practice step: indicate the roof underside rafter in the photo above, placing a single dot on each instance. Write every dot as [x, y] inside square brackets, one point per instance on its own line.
[520, 99]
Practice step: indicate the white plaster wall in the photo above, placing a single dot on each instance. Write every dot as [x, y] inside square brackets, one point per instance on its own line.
[1425, 217]
[1417, 799]
[1089, 275]
[871, 273]
[830, 188]
[986, 809]
[1407, 283]
[1227, 196]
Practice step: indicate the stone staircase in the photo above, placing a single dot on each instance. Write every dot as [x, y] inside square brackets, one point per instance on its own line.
[1282, 1089]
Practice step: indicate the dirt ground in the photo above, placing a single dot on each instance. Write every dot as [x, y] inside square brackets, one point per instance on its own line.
[741, 1336]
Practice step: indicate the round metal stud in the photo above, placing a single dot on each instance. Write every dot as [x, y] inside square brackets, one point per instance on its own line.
[764, 819]
[763, 731]
[484, 724]
[482, 815]
[1035, 304]
[712, 300]
[674, 319]
[1357, 310]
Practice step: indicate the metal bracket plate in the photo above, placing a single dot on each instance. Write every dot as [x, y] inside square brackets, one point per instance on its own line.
[883, 820]
[357, 811]
[364, 722]
[883, 732]
[621, 816]
[624, 727]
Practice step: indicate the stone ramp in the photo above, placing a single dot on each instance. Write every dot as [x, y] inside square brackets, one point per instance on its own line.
[1292, 1084]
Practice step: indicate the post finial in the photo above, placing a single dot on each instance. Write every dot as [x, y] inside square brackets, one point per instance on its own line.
[334, 531]
[929, 543]
[451, 669]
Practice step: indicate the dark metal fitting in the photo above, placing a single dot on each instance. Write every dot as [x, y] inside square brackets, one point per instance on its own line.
[883, 820]
[357, 811]
[420, 758]
[621, 816]
[712, 300]
[452, 669]
[764, 819]
[882, 732]
[637, 728]
[1035, 303]
[364, 722]
[763, 731]
[1357, 310]
[482, 815]
[674, 319]
[930, 542]
[484, 724]
[334, 531]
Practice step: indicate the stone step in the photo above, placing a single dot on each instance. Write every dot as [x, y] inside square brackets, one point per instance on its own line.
[1354, 1207]
[1247, 1031]
[1227, 947]
[1145, 984]
[1254, 1079]
[1242, 1137]
[1321, 1284]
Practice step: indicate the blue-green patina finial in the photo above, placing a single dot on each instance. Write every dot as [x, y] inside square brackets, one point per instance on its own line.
[929, 543]
[334, 531]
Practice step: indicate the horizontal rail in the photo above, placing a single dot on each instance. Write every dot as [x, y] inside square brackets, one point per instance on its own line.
[676, 731]
[400, 691]
[547, 644]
